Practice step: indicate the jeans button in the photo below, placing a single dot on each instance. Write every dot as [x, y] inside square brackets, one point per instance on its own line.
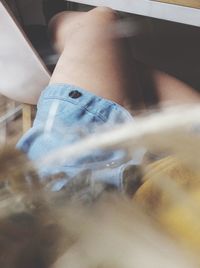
[75, 94]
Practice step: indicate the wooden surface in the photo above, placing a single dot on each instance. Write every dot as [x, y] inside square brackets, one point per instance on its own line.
[22, 74]
[151, 8]
[187, 3]
[26, 117]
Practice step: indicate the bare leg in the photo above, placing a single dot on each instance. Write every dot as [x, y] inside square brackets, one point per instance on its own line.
[172, 91]
[94, 59]
[91, 57]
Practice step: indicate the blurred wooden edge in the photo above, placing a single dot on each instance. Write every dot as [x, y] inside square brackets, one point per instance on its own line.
[26, 117]
[149, 8]
[187, 3]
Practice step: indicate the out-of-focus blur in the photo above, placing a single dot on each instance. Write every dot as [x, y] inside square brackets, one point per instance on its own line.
[154, 220]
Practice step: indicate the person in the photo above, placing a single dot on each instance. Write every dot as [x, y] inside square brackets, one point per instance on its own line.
[93, 83]
[90, 87]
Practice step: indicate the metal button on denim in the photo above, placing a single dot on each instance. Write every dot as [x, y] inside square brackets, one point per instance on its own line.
[75, 94]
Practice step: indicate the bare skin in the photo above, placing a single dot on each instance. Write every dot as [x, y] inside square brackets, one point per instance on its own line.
[94, 59]
[172, 91]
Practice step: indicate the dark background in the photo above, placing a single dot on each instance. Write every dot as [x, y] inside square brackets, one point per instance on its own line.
[171, 47]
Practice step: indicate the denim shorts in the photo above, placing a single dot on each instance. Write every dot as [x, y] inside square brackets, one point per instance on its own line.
[65, 115]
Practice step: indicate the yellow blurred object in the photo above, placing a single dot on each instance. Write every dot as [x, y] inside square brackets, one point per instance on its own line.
[171, 193]
[182, 221]
[159, 175]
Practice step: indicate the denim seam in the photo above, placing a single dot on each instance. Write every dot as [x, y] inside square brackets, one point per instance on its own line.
[81, 107]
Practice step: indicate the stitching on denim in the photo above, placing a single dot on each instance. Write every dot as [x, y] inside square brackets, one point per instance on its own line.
[81, 107]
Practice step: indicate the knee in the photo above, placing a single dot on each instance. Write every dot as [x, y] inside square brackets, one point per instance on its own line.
[104, 13]
[104, 10]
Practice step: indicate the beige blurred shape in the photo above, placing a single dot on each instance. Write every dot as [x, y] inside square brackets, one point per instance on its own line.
[22, 74]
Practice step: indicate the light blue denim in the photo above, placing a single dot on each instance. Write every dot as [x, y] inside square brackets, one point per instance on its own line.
[62, 120]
